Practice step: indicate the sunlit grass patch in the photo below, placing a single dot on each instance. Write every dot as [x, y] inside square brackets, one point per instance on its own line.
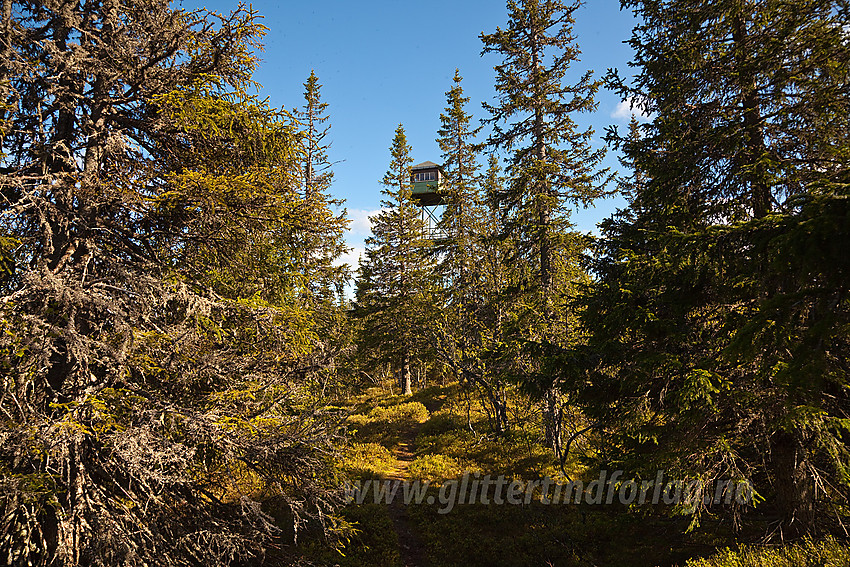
[825, 553]
[386, 424]
[514, 454]
[402, 414]
[367, 460]
[436, 467]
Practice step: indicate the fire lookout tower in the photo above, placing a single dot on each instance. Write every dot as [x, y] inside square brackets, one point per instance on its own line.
[426, 178]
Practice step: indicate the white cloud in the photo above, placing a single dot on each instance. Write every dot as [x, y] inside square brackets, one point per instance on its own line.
[628, 108]
[352, 257]
[360, 223]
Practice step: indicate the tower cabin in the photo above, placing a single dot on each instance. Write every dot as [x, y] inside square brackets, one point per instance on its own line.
[426, 178]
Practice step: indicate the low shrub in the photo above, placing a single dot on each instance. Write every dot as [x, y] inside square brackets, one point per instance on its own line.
[512, 455]
[824, 553]
[435, 467]
[401, 414]
[367, 460]
[441, 423]
[373, 544]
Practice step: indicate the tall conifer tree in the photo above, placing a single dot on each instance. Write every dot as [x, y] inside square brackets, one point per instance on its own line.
[395, 285]
[718, 325]
[313, 115]
[460, 188]
[551, 163]
[551, 166]
[148, 332]
[466, 334]
[322, 242]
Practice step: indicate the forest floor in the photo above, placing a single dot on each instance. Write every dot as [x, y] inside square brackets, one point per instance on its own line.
[411, 548]
[437, 434]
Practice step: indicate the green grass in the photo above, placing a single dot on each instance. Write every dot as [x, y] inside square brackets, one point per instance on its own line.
[388, 423]
[373, 544]
[367, 460]
[516, 454]
[452, 437]
[437, 467]
[825, 553]
[407, 413]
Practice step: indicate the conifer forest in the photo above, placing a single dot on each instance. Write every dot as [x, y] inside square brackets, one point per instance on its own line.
[192, 373]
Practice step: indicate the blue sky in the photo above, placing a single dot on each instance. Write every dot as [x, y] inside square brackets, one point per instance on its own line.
[382, 63]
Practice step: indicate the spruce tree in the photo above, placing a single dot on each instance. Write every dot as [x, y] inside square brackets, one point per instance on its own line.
[395, 292]
[321, 243]
[492, 314]
[317, 167]
[458, 251]
[148, 337]
[551, 166]
[465, 334]
[460, 188]
[551, 163]
[718, 340]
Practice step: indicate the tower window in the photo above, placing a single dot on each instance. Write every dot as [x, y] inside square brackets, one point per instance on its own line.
[424, 176]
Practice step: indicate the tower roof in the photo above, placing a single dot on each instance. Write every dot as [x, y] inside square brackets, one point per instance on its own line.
[425, 165]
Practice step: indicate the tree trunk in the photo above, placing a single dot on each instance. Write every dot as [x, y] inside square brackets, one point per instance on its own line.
[794, 485]
[404, 379]
[755, 150]
[502, 415]
[543, 190]
[499, 419]
[552, 420]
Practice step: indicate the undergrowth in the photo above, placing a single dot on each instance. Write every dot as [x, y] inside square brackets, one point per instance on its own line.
[452, 437]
